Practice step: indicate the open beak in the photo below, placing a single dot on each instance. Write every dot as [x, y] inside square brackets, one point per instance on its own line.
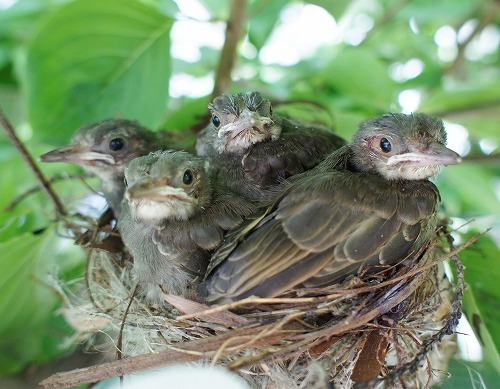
[436, 154]
[76, 154]
[247, 119]
[158, 189]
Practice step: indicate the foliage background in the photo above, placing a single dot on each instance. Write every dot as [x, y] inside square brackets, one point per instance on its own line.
[67, 63]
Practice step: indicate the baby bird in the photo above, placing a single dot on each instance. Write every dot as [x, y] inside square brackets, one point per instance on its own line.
[172, 218]
[367, 204]
[105, 148]
[252, 150]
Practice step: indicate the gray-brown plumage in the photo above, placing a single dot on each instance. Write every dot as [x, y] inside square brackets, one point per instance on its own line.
[253, 150]
[369, 203]
[105, 148]
[173, 216]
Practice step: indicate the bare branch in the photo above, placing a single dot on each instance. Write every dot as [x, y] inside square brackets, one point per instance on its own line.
[9, 129]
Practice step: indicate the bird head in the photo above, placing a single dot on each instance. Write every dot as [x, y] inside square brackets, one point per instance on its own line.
[242, 120]
[167, 185]
[402, 147]
[104, 148]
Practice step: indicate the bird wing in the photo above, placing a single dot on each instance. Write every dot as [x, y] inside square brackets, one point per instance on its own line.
[298, 149]
[325, 227]
[205, 229]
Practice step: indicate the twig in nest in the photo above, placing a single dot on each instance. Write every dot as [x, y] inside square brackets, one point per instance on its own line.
[276, 339]
[9, 129]
[447, 329]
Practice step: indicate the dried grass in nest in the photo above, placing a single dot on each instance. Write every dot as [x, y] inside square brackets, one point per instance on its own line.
[370, 331]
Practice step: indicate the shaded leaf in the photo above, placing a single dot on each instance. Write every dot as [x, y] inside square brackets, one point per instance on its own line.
[469, 375]
[93, 60]
[263, 15]
[362, 76]
[27, 302]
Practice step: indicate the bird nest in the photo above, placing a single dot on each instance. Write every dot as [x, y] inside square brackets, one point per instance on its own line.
[388, 327]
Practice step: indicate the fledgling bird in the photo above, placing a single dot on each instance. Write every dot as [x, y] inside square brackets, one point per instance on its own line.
[253, 150]
[173, 216]
[367, 204]
[105, 148]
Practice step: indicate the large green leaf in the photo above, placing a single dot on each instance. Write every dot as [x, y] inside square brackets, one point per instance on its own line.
[469, 375]
[460, 196]
[263, 15]
[466, 98]
[27, 302]
[335, 8]
[95, 59]
[482, 299]
[361, 76]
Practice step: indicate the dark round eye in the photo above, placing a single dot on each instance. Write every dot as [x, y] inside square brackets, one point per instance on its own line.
[116, 144]
[215, 121]
[385, 145]
[187, 178]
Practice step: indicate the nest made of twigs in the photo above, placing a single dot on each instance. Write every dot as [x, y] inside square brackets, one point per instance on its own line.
[391, 328]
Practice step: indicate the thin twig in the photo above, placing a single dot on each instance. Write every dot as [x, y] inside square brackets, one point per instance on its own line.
[9, 129]
[60, 177]
[234, 31]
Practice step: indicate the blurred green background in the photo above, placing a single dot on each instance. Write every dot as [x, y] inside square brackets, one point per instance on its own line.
[67, 63]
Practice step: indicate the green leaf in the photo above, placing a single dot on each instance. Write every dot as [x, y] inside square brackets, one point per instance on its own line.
[263, 15]
[481, 301]
[466, 98]
[218, 9]
[27, 302]
[469, 375]
[96, 59]
[335, 8]
[186, 113]
[361, 76]
[460, 197]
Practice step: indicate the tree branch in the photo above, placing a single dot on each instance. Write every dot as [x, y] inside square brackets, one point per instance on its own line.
[234, 31]
[9, 129]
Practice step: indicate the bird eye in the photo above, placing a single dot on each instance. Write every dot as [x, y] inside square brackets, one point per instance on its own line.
[385, 145]
[116, 144]
[215, 121]
[187, 178]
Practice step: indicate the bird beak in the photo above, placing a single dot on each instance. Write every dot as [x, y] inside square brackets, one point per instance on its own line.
[76, 154]
[158, 189]
[247, 119]
[435, 154]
